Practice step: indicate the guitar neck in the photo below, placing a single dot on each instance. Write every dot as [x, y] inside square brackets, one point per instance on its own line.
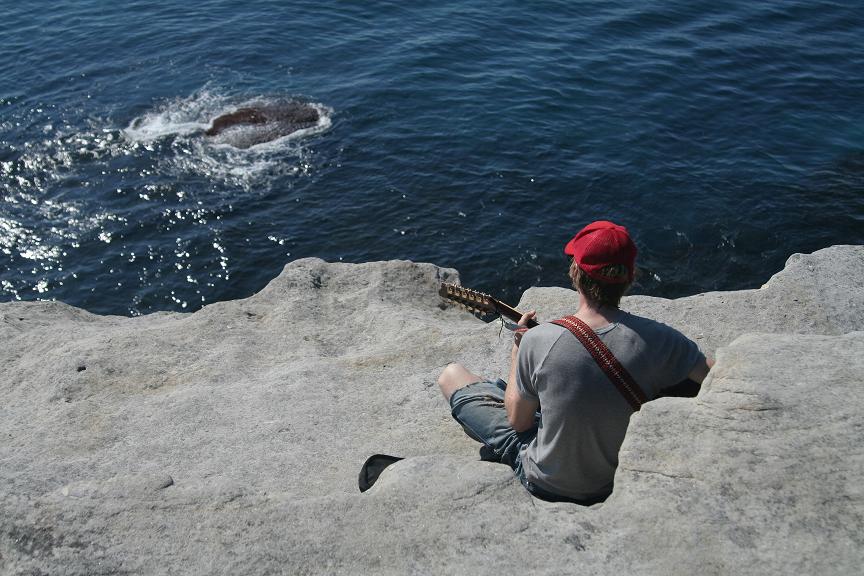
[480, 303]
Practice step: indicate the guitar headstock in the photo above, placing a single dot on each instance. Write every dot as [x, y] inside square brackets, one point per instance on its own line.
[475, 302]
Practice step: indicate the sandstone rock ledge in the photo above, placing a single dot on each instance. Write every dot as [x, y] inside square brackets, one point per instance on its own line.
[228, 441]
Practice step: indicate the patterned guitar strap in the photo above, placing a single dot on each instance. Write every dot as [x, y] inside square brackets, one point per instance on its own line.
[607, 362]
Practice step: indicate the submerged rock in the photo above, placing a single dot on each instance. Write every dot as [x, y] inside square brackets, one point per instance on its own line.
[263, 122]
[229, 440]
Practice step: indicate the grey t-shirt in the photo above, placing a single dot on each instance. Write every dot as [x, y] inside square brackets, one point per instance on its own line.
[584, 417]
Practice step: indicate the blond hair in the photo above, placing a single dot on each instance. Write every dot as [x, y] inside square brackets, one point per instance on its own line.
[598, 292]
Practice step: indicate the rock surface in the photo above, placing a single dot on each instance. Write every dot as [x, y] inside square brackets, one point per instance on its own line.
[228, 441]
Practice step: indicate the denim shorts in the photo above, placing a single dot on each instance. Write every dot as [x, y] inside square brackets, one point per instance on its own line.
[479, 408]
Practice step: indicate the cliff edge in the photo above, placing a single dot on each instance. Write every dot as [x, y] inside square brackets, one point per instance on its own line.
[228, 441]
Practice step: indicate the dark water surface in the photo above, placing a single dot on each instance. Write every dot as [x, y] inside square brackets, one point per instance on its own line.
[478, 135]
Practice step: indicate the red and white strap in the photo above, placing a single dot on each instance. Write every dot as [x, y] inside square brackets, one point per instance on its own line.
[607, 362]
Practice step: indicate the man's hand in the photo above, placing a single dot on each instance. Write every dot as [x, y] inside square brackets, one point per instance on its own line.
[530, 315]
[522, 327]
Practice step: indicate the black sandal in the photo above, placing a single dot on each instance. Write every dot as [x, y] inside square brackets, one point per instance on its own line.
[372, 468]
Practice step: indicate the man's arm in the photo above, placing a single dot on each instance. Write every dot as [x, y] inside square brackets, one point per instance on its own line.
[520, 410]
[689, 388]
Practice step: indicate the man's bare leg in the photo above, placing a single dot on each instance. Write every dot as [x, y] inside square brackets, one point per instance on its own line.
[454, 377]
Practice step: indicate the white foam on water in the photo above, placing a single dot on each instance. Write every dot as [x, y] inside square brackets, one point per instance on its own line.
[178, 117]
[187, 116]
[253, 167]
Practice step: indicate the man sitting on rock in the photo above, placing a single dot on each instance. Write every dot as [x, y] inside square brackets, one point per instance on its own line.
[569, 451]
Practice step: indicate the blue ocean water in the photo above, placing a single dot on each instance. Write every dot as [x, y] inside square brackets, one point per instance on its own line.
[478, 135]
